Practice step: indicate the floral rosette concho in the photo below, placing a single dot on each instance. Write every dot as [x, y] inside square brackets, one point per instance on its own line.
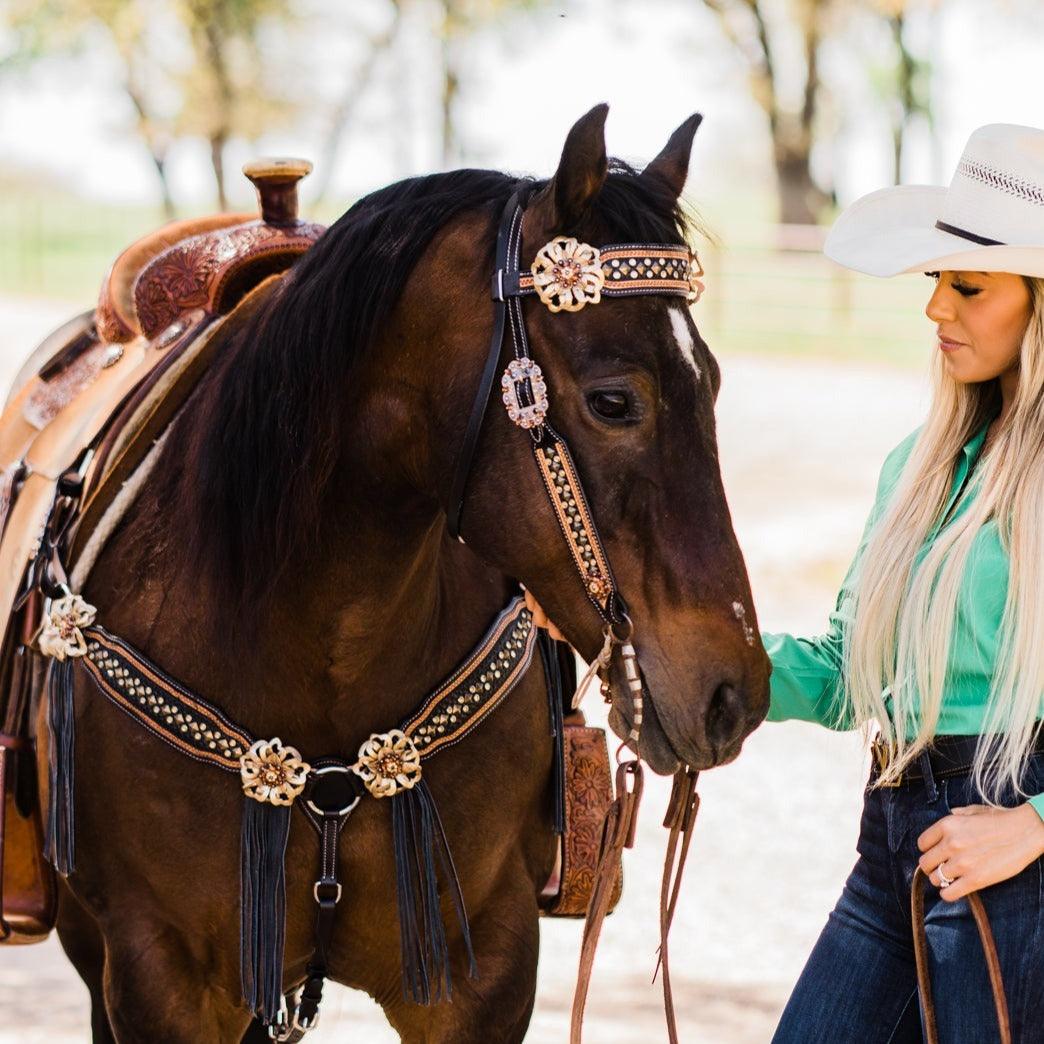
[61, 633]
[388, 762]
[568, 274]
[273, 773]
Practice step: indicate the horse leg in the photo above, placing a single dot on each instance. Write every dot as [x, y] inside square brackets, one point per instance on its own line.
[156, 989]
[498, 1003]
[83, 945]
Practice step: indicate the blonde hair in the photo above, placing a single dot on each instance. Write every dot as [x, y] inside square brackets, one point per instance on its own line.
[900, 636]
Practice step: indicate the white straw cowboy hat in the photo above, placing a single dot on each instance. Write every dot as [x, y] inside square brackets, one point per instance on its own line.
[990, 219]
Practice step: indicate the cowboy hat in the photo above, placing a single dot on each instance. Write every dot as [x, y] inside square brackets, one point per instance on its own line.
[989, 219]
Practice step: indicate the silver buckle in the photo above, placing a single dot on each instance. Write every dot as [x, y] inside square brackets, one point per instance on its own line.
[315, 892]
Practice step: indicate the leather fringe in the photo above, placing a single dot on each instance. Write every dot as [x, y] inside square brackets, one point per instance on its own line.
[60, 844]
[421, 853]
[549, 657]
[265, 831]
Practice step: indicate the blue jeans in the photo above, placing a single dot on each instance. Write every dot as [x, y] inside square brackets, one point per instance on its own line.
[859, 985]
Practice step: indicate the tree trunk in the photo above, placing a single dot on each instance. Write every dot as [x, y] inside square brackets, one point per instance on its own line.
[905, 92]
[450, 90]
[217, 163]
[159, 161]
[800, 199]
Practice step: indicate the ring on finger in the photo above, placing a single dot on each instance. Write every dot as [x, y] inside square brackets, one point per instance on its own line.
[944, 881]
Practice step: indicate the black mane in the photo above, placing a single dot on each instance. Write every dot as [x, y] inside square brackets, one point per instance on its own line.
[258, 453]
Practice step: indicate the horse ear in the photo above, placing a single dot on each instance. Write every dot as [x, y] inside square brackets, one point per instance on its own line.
[581, 173]
[671, 166]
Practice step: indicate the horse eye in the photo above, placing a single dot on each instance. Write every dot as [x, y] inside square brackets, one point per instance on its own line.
[609, 405]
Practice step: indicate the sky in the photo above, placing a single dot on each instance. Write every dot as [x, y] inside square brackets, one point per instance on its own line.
[528, 79]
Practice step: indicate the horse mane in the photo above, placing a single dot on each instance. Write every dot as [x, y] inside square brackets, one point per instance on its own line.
[257, 454]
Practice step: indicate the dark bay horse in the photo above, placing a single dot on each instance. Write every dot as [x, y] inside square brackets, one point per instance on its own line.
[289, 559]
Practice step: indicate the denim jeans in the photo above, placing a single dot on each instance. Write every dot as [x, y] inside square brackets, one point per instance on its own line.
[860, 986]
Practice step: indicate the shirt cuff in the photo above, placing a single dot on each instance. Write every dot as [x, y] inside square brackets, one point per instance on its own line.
[1037, 801]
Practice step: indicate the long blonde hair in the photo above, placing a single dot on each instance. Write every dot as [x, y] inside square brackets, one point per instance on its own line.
[900, 636]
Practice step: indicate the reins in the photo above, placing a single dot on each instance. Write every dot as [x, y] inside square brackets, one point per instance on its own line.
[989, 949]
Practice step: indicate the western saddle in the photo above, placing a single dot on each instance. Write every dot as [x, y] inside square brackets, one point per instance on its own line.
[84, 413]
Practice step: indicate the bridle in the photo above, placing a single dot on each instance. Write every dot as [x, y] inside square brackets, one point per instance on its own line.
[566, 276]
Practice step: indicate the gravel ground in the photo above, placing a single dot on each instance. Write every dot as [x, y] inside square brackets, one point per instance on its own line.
[801, 445]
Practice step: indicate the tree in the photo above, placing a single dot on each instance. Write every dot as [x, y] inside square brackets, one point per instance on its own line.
[792, 127]
[458, 21]
[907, 84]
[46, 27]
[230, 89]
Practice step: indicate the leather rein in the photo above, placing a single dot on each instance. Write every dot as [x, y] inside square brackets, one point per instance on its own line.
[566, 276]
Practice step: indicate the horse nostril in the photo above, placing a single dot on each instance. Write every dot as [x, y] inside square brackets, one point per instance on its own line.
[724, 716]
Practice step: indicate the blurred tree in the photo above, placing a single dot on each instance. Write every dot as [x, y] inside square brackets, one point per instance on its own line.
[459, 21]
[377, 44]
[769, 47]
[45, 28]
[230, 89]
[906, 86]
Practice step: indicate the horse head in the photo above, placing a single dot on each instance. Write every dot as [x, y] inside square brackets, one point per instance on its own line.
[632, 387]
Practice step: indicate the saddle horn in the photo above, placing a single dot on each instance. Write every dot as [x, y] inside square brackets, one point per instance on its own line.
[275, 179]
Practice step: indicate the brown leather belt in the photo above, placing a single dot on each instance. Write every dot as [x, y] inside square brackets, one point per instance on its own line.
[947, 756]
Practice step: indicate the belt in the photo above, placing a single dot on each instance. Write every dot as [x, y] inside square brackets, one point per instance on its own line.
[947, 756]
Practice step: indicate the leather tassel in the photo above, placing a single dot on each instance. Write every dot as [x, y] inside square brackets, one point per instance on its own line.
[60, 844]
[421, 852]
[266, 829]
[549, 657]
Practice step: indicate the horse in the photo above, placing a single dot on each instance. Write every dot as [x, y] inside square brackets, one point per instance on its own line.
[289, 558]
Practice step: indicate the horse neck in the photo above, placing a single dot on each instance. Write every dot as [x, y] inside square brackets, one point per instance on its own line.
[364, 625]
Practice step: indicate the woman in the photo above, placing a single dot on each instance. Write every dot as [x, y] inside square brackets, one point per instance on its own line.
[938, 632]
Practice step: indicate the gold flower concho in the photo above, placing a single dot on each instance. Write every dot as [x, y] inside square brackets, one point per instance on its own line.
[61, 635]
[568, 274]
[272, 773]
[388, 762]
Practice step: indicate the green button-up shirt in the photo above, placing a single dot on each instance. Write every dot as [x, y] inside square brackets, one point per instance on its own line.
[806, 679]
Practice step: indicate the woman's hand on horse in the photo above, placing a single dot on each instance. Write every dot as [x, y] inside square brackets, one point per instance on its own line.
[540, 617]
[980, 846]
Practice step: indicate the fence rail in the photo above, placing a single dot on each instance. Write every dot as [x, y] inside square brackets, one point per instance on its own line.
[769, 287]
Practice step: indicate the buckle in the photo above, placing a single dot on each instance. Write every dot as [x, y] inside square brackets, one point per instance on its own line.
[326, 884]
[882, 757]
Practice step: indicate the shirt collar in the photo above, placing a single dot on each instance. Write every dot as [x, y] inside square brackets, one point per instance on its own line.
[974, 444]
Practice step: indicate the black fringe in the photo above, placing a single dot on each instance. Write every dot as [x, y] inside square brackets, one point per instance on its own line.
[60, 845]
[266, 829]
[419, 840]
[553, 680]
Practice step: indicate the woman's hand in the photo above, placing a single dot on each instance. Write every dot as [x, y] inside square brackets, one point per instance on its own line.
[979, 845]
[540, 617]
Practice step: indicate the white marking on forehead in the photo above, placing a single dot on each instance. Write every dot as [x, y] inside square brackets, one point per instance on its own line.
[683, 335]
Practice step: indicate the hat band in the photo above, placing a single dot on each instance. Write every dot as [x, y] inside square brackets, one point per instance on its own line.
[965, 234]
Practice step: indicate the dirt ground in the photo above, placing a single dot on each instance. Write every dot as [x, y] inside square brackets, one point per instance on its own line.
[801, 445]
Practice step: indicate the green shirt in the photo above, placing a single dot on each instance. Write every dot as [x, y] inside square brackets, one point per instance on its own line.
[806, 681]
